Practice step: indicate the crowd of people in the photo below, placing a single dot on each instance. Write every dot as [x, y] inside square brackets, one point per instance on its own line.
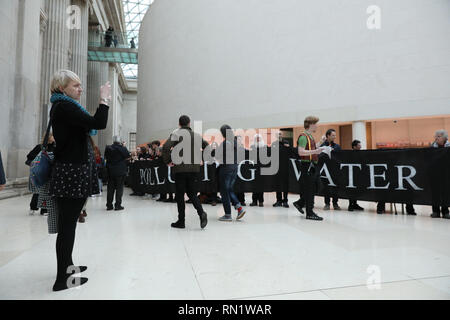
[79, 171]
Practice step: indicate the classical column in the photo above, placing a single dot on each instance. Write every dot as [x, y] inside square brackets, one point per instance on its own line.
[79, 42]
[98, 74]
[359, 133]
[55, 48]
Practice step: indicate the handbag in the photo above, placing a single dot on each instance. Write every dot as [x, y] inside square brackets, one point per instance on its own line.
[41, 166]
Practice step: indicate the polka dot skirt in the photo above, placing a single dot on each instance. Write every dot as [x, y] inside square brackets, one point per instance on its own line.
[75, 180]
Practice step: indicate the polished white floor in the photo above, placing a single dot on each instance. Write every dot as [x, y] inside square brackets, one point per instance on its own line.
[274, 253]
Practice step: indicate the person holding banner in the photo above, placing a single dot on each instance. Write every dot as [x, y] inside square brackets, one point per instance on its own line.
[309, 156]
[282, 146]
[185, 168]
[330, 136]
[258, 144]
[226, 155]
[440, 141]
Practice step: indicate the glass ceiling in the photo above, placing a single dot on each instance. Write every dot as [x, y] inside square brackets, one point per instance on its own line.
[134, 13]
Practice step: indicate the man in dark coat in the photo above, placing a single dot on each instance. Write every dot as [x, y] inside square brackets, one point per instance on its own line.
[2, 174]
[186, 169]
[330, 136]
[116, 156]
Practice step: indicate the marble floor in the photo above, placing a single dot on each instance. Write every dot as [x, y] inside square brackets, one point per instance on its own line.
[273, 253]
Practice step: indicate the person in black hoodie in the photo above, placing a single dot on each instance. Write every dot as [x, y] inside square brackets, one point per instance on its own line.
[30, 157]
[226, 155]
[74, 174]
[116, 156]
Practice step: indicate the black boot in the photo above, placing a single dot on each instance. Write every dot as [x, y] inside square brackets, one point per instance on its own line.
[69, 282]
[179, 224]
[203, 220]
[298, 205]
[313, 216]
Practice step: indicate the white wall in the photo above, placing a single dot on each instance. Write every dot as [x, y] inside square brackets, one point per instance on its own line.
[265, 63]
[129, 115]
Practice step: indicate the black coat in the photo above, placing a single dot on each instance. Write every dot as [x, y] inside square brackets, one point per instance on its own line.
[116, 156]
[2, 172]
[71, 127]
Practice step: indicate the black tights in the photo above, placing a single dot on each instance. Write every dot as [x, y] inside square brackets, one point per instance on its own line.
[68, 212]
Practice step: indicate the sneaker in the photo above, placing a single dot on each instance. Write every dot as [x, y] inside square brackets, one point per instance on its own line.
[351, 208]
[285, 205]
[241, 213]
[179, 225]
[81, 219]
[226, 217]
[380, 211]
[298, 206]
[109, 208]
[336, 207]
[31, 212]
[84, 213]
[119, 208]
[435, 215]
[203, 220]
[261, 204]
[277, 204]
[446, 216]
[313, 216]
[253, 204]
[326, 207]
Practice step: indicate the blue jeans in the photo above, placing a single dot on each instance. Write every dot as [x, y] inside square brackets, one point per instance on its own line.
[227, 178]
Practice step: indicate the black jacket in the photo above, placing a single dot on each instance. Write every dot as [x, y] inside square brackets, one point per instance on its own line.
[228, 163]
[116, 156]
[2, 172]
[70, 130]
[335, 146]
[175, 138]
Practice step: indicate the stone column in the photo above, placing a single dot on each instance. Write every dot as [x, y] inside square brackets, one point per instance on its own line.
[79, 43]
[359, 133]
[55, 48]
[98, 74]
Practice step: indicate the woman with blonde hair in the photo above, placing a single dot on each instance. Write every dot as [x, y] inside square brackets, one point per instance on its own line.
[74, 174]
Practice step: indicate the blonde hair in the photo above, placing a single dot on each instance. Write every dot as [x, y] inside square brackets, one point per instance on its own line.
[62, 78]
[50, 135]
[309, 121]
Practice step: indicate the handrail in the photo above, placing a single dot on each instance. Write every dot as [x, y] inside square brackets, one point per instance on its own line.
[112, 39]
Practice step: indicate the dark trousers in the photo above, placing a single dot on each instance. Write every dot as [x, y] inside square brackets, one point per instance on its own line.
[328, 195]
[440, 209]
[241, 197]
[34, 202]
[226, 182]
[308, 185]
[282, 197]
[185, 182]
[258, 196]
[115, 186]
[68, 213]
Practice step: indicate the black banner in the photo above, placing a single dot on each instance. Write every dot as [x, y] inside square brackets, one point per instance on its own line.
[416, 176]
